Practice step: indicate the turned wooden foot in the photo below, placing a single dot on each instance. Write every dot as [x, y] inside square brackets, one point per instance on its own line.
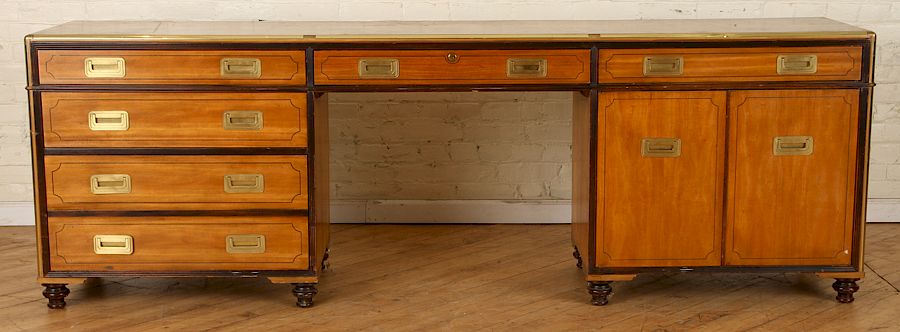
[56, 294]
[600, 292]
[845, 289]
[577, 256]
[304, 294]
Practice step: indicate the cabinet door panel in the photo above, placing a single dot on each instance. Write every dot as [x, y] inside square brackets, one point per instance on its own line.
[658, 207]
[789, 206]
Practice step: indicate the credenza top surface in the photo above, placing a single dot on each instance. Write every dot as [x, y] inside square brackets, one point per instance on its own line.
[313, 31]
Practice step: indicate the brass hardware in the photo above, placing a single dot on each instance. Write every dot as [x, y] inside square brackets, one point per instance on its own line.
[113, 244]
[240, 68]
[379, 68]
[452, 57]
[104, 67]
[108, 120]
[104, 184]
[245, 244]
[792, 145]
[661, 147]
[663, 65]
[797, 64]
[244, 183]
[526, 68]
[242, 120]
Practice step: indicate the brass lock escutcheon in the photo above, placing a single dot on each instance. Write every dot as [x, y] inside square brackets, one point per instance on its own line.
[240, 68]
[664, 147]
[792, 145]
[244, 183]
[663, 65]
[245, 244]
[797, 64]
[379, 68]
[242, 120]
[113, 244]
[108, 120]
[452, 57]
[105, 184]
[104, 67]
[526, 68]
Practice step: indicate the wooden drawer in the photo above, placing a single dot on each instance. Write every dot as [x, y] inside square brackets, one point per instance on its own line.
[452, 67]
[87, 119]
[178, 243]
[176, 182]
[730, 64]
[171, 67]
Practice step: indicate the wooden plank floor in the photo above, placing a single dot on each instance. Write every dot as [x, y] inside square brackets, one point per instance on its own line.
[460, 278]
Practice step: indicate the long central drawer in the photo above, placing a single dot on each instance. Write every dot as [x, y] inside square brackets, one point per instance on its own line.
[176, 182]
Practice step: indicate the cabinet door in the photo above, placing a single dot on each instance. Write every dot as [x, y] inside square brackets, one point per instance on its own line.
[660, 178]
[791, 177]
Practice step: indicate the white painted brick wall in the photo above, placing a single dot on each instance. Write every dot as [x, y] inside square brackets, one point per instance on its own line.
[443, 146]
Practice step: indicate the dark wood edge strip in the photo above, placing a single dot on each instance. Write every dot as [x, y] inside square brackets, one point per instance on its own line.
[724, 269]
[181, 213]
[175, 151]
[40, 186]
[862, 177]
[166, 88]
[311, 173]
[592, 198]
[209, 273]
[452, 87]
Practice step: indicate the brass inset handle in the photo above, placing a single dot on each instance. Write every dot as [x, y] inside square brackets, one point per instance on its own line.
[526, 68]
[797, 64]
[104, 184]
[245, 244]
[113, 244]
[104, 67]
[244, 183]
[661, 147]
[240, 68]
[379, 68]
[665, 65]
[452, 57]
[792, 145]
[242, 120]
[108, 120]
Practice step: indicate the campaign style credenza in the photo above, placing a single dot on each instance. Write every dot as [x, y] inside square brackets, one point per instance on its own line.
[200, 149]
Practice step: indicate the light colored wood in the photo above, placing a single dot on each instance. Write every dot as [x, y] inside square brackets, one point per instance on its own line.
[473, 66]
[321, 183]
[581, 174]
[610, 277]
[67, 281]
[171, 67]
[660, 211]
[176, 182]
[537, 288]
[292, 280]
[791, 210]
[178, 243]
[730, 64]
[157, 119]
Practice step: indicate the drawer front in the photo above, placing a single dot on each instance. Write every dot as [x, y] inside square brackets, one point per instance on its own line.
[171, 67]
[452, 67]
[792, 177]
[178, 243]
[731, 64]
[79, 119]
[176, 182]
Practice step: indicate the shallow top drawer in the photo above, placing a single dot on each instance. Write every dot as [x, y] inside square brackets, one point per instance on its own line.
[171, 67]
[362, 67]
[731, 64]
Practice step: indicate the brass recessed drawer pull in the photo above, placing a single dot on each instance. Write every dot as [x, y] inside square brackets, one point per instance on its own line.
[108, 120]
[797, 64]
[113, 244]
[663, 65]
[244, 183]
[526, 68]
[379, 68]
[792, 145]
[661, 147]
[241, 68]
[242, 120]
[104, 67]
[245, 244]
[104, 184]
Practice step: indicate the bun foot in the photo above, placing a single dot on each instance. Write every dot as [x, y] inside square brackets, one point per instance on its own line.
[845, 289]
[600, 292]
[304, 294]
[56, 294]
[577, 256]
